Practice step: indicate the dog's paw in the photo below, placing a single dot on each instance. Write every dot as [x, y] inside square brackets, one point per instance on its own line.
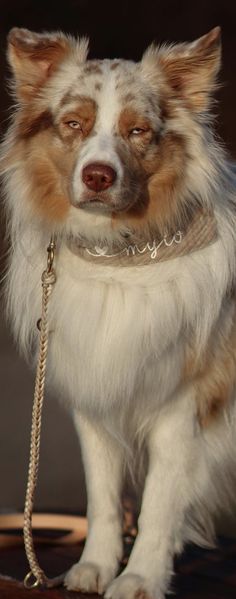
[129, 586]
[88, 577]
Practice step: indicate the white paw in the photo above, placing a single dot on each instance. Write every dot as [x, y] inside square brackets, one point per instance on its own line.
[88, 577]
[129, 586]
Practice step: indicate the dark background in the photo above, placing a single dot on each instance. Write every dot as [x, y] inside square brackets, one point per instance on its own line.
[123, 28]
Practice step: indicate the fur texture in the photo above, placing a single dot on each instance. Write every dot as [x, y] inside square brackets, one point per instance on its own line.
[144, 356]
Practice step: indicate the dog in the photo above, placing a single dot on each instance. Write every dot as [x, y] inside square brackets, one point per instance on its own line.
[119, 161]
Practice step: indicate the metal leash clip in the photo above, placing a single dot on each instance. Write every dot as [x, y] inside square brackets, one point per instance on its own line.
[51, 254]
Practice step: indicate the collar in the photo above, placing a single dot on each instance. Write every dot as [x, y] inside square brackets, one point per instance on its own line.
[198, 234]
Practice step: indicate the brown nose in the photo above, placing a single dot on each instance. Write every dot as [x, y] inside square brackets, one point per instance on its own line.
[98, 177]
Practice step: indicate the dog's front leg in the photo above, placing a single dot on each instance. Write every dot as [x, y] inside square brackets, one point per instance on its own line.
[174, 460]
[102, 459]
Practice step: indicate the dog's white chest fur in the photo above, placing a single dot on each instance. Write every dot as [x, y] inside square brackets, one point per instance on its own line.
[110, 333]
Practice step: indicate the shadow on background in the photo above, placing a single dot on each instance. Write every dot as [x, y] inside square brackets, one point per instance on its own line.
[123, 28]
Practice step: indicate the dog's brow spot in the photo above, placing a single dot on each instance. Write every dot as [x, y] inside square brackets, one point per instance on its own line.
[66, 98]
[76, 98]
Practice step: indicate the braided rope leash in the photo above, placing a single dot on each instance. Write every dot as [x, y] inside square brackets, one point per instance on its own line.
[36, 576]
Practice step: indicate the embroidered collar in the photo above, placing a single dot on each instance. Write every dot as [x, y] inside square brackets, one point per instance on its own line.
[201, 232]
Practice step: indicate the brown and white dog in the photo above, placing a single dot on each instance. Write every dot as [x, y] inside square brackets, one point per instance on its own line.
[118, 159]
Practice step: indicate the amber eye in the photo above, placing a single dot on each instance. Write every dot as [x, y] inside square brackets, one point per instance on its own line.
[74, 125]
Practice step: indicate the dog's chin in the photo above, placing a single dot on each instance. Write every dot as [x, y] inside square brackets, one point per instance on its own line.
[103, 205]
[96, 206]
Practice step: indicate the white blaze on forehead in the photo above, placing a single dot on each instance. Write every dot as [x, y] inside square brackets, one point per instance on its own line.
[109, 101]
[100, 147]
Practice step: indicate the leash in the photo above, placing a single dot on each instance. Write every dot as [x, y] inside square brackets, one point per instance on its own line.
[36, 576]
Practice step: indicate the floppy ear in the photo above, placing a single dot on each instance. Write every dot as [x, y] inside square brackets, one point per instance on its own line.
[191, 68]
[33, 57]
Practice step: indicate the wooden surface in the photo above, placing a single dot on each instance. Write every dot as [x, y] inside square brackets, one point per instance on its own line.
[200, 574]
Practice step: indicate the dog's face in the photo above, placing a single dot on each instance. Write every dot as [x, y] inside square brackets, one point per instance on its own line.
[109, 145]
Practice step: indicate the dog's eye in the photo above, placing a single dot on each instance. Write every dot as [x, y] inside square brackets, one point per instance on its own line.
[74, 124]
[137, 131]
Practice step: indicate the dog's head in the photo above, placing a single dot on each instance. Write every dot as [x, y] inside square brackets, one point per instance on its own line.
[108, 146]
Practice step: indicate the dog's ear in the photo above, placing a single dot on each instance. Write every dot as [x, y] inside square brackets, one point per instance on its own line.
[33, 57]
[190, 68]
